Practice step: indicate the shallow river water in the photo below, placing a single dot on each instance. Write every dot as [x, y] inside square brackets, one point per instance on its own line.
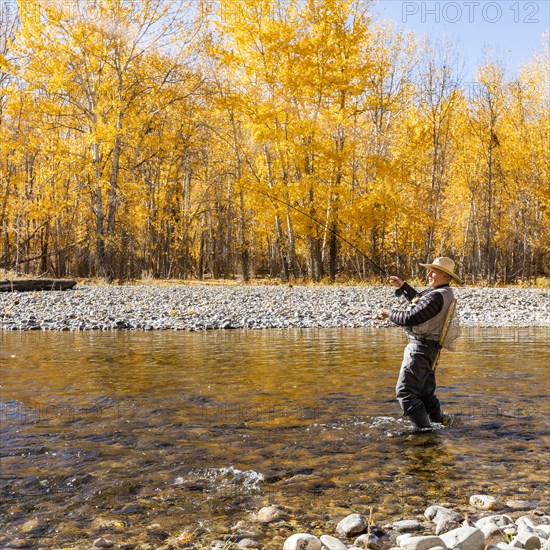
[114, 432]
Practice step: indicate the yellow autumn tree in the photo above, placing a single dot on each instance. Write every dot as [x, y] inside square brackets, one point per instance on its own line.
[292, 138]
[523, 237]
[94, 80]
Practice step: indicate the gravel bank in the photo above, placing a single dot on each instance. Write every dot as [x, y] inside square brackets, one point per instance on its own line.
[209, 307]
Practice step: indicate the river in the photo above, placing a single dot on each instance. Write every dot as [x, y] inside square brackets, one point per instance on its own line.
[119, 431]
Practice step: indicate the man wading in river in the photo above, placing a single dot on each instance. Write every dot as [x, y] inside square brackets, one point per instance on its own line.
[424, 324]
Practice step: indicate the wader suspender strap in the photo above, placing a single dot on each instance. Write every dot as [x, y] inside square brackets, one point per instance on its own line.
[444, 330]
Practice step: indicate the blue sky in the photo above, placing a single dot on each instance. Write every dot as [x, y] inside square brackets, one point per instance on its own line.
[512, 29]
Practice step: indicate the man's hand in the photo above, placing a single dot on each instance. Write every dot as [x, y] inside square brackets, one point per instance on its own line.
[383, 314]
[396, 281]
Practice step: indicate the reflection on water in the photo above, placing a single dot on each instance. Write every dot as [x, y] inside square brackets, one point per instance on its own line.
[196, 430]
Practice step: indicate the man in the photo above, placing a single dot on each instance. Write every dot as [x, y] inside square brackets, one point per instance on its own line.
[423, 323]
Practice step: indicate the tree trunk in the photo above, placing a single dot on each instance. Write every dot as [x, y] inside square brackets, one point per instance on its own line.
[244, 246]
[316, 270]
[333, 253]
[281, 248]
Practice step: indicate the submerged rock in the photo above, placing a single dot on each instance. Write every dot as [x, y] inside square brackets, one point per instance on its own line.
[105, 524]
[302, 541]
[269, 514]
[34, 527]
[103, 543]
[20, 543]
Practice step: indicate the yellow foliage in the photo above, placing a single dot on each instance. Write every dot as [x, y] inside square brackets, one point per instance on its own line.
[193, 138]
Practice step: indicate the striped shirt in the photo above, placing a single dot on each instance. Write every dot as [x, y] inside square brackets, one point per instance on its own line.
[429, 304]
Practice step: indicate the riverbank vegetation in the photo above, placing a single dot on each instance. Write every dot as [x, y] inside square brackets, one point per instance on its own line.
[188, 139]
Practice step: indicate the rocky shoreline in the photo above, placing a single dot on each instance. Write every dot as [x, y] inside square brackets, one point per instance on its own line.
[212, 307]
[441, 528]
[485, 524]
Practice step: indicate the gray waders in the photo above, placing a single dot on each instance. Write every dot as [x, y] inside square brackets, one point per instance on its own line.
[415, 389]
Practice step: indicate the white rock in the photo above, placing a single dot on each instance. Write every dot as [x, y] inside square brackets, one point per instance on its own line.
[351, 525]
[518, 504]
[533, 520]
[484, 502]
[401, 538]
[545, 528]
[421, 543]
[302, 541]
[436, 513]
[491, 529]
[446, 524]
[332, 543]
[407, 525]
[499, 519]
[493, 524]
[248, 543]
[444, 518]
[370, 542]
[267, 514]
[464, 538]
[536, 531]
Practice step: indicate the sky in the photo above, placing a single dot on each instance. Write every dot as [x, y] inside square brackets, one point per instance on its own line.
[512, 29]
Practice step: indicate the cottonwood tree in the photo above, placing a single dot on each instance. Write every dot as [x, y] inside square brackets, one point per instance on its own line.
[95, 75]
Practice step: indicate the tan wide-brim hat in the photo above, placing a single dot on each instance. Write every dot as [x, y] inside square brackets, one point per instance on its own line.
[446, 265]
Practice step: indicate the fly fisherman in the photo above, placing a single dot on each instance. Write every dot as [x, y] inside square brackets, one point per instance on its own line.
[423, 322]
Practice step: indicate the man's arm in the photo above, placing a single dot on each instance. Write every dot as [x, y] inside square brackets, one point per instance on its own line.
[402, 289]
[429, 306]
[408, 291]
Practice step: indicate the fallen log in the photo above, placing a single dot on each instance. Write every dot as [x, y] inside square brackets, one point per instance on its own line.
[28, 285]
